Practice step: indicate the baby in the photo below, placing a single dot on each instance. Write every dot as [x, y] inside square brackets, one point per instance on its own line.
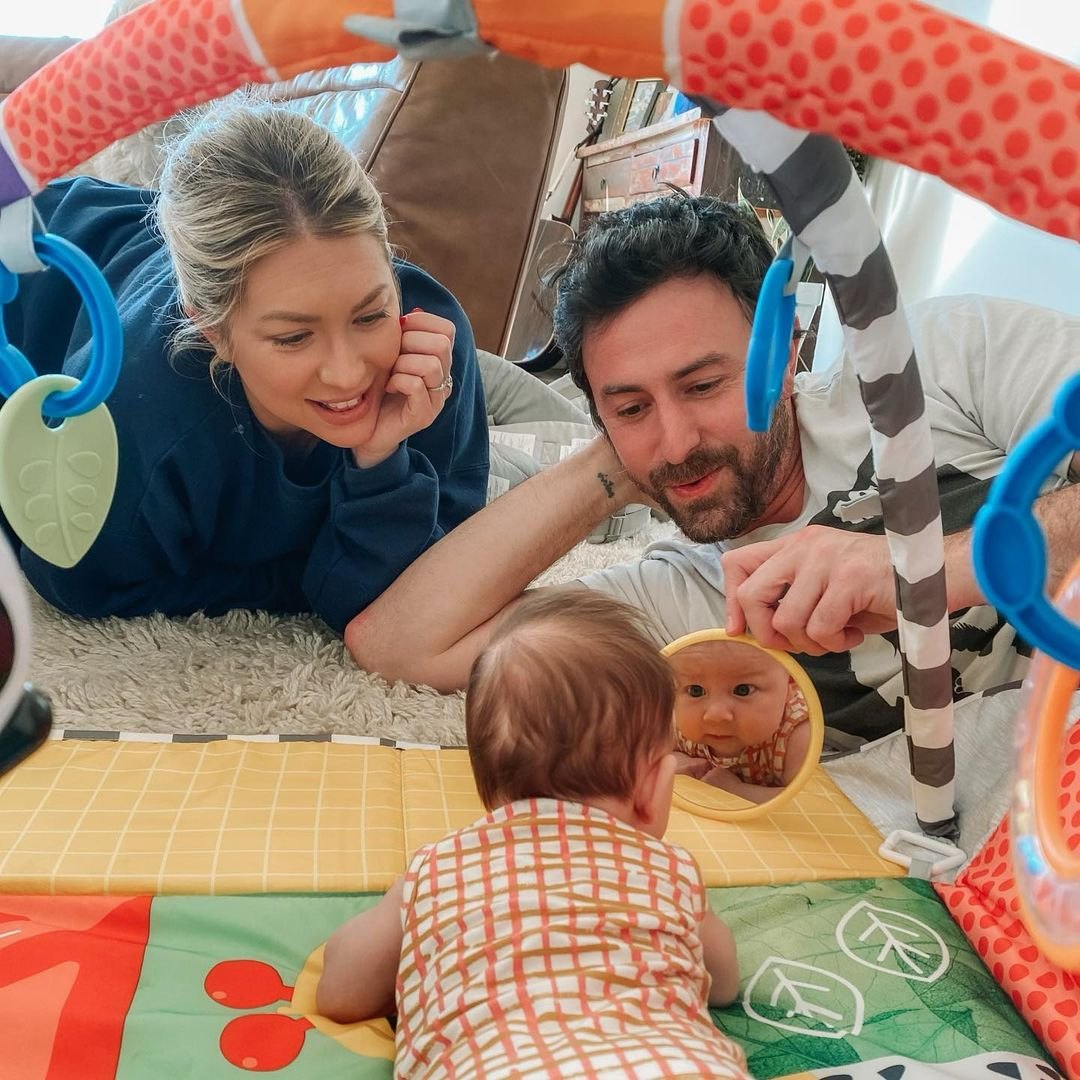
[740, 718]
[559, 935]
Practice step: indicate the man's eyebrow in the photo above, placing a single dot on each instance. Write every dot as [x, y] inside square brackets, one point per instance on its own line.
[295, 316]
[708, 360]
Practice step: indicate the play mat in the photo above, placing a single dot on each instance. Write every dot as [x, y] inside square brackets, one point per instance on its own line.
[165, 901]
[836, 974]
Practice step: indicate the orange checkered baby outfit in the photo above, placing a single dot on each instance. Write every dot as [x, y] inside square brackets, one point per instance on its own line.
[762, 763]
[550, 939]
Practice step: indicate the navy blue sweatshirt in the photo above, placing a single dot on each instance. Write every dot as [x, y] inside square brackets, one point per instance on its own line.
[209, 513]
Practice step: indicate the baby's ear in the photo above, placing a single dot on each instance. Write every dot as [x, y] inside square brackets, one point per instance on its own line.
[652, 794]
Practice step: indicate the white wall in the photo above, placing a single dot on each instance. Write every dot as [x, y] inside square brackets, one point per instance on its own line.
[53, 18]
[943, 243]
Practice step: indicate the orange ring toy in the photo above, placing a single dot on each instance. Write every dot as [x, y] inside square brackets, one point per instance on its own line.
[1045, 815]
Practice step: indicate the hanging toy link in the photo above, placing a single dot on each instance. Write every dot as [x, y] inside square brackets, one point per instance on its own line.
[57, 483]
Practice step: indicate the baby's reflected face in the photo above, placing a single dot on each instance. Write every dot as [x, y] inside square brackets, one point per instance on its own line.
[729, 695]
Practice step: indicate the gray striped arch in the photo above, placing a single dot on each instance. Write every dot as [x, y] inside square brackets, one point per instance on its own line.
[823, 201]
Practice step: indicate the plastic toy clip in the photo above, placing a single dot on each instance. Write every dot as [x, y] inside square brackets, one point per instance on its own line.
[770, 336]
[104, 368]
[918, 865]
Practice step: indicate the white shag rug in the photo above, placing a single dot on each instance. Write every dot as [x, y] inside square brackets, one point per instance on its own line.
[247, 673]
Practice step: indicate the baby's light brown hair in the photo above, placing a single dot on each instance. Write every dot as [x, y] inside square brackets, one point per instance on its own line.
[568, 700]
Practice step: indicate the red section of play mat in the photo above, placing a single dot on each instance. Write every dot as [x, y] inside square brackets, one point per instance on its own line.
[985, 903]
[69, 967]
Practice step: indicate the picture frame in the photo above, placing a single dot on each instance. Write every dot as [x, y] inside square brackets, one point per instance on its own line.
[642, 99]
[663, 108]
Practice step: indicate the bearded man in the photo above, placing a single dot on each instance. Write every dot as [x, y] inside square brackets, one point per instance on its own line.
[784, 537]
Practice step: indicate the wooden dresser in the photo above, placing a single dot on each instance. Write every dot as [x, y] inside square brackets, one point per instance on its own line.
[686, 151]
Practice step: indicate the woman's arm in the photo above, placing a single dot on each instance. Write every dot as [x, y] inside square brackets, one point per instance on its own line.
[123, 576]
[360, 963]
[155, 553]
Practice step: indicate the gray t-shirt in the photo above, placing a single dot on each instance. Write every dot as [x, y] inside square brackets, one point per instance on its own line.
[990, 369]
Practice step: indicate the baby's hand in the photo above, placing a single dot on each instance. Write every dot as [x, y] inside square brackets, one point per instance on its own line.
[727, 781]
[724, 779]
[685, 765]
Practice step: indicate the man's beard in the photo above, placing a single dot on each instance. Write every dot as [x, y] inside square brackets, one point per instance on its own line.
[742, 493]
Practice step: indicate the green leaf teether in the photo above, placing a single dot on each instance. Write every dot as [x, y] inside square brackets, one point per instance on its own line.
[56, 484]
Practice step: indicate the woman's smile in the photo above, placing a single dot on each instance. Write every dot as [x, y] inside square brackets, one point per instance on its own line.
[343, 412]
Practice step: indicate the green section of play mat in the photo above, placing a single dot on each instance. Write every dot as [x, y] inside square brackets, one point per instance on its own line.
[174, 1026]
[839, 972]
[833, 973]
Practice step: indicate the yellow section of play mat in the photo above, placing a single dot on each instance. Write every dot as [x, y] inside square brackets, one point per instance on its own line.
[250, 817]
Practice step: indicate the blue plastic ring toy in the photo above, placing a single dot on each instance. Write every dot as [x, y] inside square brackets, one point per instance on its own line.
[770, 344]
[15, 369]
[107, 337]
[1008, 546]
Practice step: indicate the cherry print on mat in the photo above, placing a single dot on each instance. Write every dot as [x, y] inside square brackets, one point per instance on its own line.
[269, 1041]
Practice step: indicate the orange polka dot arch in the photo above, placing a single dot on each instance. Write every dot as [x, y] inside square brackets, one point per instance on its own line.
[895, 79]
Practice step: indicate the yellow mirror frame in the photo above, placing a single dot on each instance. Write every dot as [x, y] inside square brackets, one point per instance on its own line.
[703, 800]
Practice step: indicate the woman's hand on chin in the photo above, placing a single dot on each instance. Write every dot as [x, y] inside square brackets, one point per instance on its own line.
[417, 388]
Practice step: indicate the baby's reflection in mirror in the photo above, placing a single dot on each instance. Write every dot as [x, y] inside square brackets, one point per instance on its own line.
[741, 720]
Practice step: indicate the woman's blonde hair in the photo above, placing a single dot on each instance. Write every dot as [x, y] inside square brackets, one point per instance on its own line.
[246, 178]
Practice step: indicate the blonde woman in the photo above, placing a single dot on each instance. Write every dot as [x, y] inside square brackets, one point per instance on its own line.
[299, 414]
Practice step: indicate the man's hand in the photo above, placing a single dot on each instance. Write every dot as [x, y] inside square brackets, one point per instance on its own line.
[415, 393]
[815, 591]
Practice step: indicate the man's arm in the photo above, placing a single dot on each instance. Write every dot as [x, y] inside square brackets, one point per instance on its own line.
[1059, 516]
[822, 590]
[429, 625]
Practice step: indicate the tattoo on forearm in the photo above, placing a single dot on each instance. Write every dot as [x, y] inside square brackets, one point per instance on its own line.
[609, 487]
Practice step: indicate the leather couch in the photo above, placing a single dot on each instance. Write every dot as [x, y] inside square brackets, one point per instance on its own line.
[460, 149]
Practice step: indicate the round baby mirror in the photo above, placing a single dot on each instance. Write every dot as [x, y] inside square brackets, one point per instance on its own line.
[749, 725]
